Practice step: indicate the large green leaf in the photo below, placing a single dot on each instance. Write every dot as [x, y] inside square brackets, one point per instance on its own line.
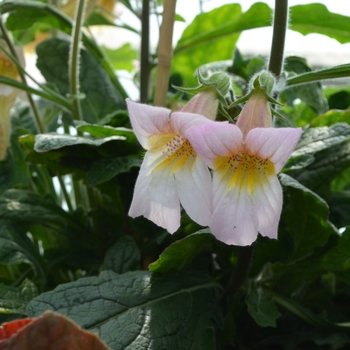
[180, 254]
[101, 97]
[315, 18]
[304, 220]
[223, 21]
[140, 310]
[314, 140]
[15, 300]
[212, 36]
[49, 142]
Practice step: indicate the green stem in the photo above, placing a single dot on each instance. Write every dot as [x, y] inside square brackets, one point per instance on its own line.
[65, 193]
[145, 64]
[74, 58]
[38, 122]
[241, 271]
[280, 22]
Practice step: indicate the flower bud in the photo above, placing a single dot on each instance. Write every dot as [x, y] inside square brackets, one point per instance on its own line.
[205, 103]
[256, 113]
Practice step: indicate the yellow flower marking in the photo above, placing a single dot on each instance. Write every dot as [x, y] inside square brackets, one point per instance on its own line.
[244, 170]
[178, 150]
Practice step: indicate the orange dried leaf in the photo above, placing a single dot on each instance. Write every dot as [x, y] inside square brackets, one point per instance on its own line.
[48, 332]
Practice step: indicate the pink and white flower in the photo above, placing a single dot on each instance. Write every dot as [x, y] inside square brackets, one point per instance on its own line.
[171, 171]
[246, 158]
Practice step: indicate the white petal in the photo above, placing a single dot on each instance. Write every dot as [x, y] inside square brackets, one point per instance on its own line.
[234, 219]
[148, 121]
[155, 195]
[193, 183]
[268, 201]
[273, 144]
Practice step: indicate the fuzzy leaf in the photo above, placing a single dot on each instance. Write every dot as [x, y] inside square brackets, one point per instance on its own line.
[139, 310]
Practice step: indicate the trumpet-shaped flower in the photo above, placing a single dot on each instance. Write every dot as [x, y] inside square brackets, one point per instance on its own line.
[247, 196]
[171, 171]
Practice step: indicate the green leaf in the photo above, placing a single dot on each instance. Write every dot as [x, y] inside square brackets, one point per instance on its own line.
[304, 219]
[180, 254]
[261, 307]
[140, 309]
[314, 140]
[331, 117]
[327, 73]
[49, 142]
[106, 169]
[212, 37]
[315, 18]
[326, 166]
[101, 97]
[123, 57]
[124, 256]
[16, 247]
[10, 252]
[101, 131]
[26, 206]
[97, 18]
[15, 300]
[223, 21]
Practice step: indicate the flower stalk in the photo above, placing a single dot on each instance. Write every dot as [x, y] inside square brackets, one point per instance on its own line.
[280, 23]
[165, 53]
[74, 58]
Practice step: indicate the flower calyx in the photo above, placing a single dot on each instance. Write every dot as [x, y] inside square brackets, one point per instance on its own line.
[262, 83]
[218, 82]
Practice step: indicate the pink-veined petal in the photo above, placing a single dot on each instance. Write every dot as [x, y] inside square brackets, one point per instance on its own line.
[182, 121]
[193, 183]
[273, 144]
[148, 121]
[268, 203]
[215, 139]
[234, 219]
[155, 195]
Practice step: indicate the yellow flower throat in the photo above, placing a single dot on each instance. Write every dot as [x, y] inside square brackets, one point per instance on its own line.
[244, 170]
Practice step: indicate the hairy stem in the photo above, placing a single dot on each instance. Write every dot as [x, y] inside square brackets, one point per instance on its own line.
[165, 53]
[74, 58]
[145, 64]
[280, 22]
